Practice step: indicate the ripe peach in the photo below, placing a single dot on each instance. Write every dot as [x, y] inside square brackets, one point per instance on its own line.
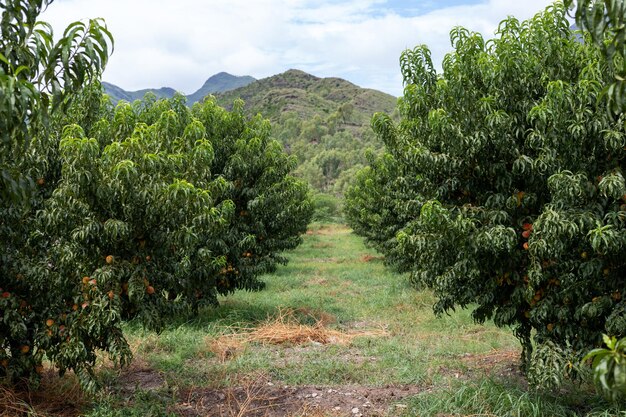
[49, 322]
[526, 234]
[109, 259]
[150, 289]
[25, 349]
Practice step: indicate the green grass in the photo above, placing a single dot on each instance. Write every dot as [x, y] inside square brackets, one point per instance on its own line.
[334, 276]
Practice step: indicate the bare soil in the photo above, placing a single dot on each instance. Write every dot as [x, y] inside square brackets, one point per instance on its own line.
[263, 398]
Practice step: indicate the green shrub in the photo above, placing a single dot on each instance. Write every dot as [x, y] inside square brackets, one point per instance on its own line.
[327, 208]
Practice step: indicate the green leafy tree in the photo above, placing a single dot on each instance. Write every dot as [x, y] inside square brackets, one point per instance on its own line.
[158, 219]
[39, 79]
[380, 200]
[518, 189]
[605, 20]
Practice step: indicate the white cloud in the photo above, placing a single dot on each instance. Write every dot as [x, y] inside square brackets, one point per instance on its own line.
[181, 43]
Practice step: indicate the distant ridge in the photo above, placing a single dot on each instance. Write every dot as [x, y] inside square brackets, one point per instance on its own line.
[217, 83]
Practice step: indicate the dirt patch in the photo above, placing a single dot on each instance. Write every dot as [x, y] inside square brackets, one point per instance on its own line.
[505, 363]
[327, 230]
[264, 398]
[501, 363]
[321, 260]
[139, 377]
[370, 258]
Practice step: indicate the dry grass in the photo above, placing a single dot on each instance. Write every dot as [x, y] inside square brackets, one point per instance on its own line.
[252, 398]
[286, 329]
[58, 397]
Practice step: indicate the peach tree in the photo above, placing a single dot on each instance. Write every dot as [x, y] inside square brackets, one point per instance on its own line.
[379, 202]
[159, 212]
[39, 79]
[518, 169]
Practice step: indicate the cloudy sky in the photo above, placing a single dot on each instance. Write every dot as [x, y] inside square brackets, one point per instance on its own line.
[180, 43]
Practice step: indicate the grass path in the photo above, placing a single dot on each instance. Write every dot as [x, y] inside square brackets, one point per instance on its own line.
[334, 280]
[407, 361]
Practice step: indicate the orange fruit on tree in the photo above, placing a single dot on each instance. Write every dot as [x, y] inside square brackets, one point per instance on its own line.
[525, 245]
[49, 322]
[6, 294]
[109, 259]
[41, 181]
[85, 280]
[150, 289]
[25, 349]
[526, 234]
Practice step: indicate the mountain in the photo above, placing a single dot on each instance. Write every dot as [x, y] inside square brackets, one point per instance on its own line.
[217, 83]
[117, 93]
[323, 122]
[306, 95]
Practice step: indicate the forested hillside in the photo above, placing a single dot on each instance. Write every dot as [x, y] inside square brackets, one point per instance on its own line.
[325, 122]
